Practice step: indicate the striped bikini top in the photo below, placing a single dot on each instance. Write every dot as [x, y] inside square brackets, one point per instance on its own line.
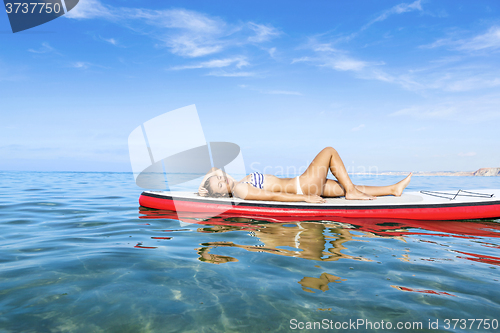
[256, 180]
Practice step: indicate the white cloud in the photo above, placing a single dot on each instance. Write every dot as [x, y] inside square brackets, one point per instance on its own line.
[112, 41]
[216, 63]
[283, 92]
[428, 111]
[231, 74]
[330, 57]
[185, 32]
[188, 34]
[81, 64]
[344, 63]
[325, 47]
[451, 74]
[337, 62]
[272, 52]
[472, 153]
[458, 78]
[438, 43]
[263, 33]
[463, 72]
[192, 46]
[89, 9]
[302, 59]
[182, 19]
[472, 83]
[463, 109]
[357, 128]
[490, 40]
[398, 9]
[271, 92]
[46, 48]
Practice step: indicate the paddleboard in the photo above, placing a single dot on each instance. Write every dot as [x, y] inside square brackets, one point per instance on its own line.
[423, 205]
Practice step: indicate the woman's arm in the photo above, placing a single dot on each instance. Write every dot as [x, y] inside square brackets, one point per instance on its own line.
[209, 174]
[248, 192]
[215, 172]
[212, 172]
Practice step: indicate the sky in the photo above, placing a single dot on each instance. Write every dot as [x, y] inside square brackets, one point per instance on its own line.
[391, 85]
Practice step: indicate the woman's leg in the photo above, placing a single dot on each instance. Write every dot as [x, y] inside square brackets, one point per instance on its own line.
[314, 181]
[334, 189]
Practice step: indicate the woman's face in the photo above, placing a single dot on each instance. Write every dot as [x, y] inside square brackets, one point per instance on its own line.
[220, 185]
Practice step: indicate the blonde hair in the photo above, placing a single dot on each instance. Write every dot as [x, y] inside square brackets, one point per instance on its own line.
[211, 192]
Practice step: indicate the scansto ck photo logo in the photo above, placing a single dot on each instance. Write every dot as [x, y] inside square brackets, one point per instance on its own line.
[171, 150]
[29, 14]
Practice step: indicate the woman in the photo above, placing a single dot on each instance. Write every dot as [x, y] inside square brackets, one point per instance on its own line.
[311, 186]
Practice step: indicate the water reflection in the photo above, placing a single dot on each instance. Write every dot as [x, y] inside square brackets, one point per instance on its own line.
[480, 258]
[320, 283]
[206, 256]
[380, 227]
[426, 291]
[331, 239]
[307, 240]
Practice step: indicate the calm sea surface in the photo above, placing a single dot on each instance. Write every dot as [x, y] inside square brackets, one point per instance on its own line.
[79, 255]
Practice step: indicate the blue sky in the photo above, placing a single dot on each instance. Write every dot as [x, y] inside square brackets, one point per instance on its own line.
[406, 86]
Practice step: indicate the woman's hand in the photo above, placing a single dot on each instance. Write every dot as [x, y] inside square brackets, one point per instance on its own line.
[314, 199]
[203, 192]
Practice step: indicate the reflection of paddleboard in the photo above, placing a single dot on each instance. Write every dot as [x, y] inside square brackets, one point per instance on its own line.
[379, 226]
[424, 205]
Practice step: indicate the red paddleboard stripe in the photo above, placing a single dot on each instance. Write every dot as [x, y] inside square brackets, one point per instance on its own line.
[457, 211]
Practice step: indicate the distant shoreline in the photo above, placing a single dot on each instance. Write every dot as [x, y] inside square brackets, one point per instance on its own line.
[483, 172]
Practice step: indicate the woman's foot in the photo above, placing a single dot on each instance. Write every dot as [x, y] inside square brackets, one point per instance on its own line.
[356, 194]
[399, 187]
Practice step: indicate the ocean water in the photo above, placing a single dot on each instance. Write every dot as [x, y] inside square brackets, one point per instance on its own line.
[78, 254]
